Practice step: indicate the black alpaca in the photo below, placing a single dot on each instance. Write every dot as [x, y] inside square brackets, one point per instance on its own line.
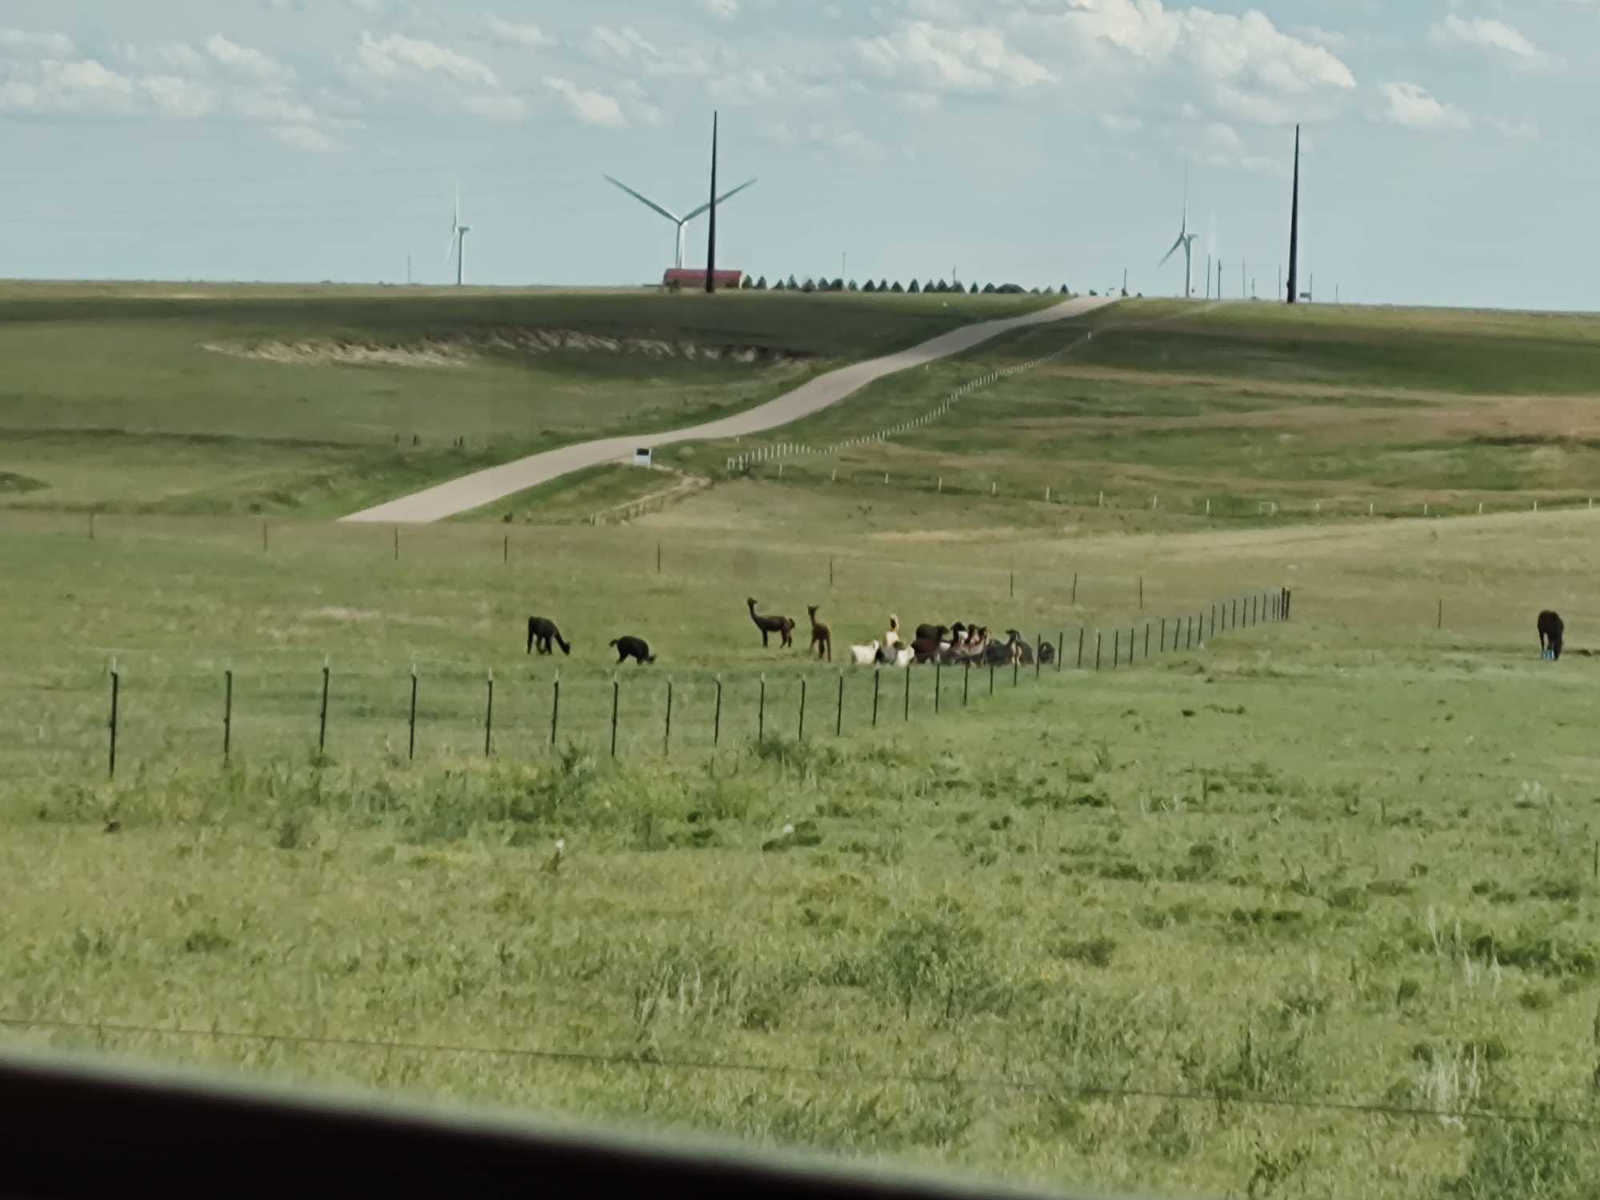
[541, 632]
[783, 626]
[634, 648]
[1551, 633]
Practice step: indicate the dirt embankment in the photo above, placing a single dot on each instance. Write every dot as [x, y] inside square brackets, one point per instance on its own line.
[462, 350]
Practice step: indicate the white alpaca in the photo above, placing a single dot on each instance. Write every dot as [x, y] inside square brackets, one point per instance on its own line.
[903, 656]
[864, 656]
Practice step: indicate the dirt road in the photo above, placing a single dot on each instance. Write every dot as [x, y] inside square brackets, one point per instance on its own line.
[495, 483]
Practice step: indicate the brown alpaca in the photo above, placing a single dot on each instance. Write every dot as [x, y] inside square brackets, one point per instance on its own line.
[821, 635]
[782, 626]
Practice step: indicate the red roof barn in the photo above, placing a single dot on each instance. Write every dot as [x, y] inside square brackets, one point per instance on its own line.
[686, 277]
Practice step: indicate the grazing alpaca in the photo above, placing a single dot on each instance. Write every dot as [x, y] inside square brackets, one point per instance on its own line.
[634, 648]
[891, 637]
[1551, 633]
[782, 626]
[865, 656]
[542, 632]
[821, 635]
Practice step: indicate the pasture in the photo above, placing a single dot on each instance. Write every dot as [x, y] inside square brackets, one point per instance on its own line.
[314, 402]
[1306, 910]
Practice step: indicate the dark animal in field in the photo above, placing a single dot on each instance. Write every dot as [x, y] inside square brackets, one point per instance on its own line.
[927, 650]
[541, 632]
[935, 633]
[634, 648]
[1047, 654]
[782, 626]
[1551, 632]
[821, 635]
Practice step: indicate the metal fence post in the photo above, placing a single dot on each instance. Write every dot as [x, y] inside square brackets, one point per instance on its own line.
[1099, 641]
[877, 678]
[1081, 632]
[555, 708]
[938, 680]
[666, 736]
[761, 711]
[116, 689]
[838, 717]
[800, 735]
[1061, 649]
[716, 723]
[411, 724]
[488, 715]
[227, 714]
[616, 700]
[322, 719]
[908, 692]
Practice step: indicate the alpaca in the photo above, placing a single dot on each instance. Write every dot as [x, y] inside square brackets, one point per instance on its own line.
[903, 657]
[543, 632]
[821, 635]
[865, 656]
[634, 648]
[782, 626]
[1551, 633]
[934, 633]
[891, 637]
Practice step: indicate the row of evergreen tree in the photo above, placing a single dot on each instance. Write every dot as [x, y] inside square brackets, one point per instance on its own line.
[883, 285]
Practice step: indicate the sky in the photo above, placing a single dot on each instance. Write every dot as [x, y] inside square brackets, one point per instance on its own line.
[1041, 142]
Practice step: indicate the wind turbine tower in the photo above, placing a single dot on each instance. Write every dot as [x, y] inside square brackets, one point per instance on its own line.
[1294, 224]
[1185, 242]
[458, 237]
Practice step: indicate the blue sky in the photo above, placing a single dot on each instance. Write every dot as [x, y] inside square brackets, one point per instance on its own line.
[1038, 141]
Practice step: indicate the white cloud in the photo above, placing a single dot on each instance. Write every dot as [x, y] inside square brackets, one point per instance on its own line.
[1521, 131]
[951, 60]
[724, 10]
[55, 45]
[501, 107]
[304, 137]
[529, 37]
[396, 57]
[245, 60]
[592, 108]
[177, 97]
[1244, 66]
[1486, 34]
[1411, 106]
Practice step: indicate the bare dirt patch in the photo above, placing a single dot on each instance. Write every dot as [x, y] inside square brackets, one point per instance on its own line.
[468, 350]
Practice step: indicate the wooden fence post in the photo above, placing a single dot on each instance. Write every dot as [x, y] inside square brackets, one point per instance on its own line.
[1116, 647]
[1074, 588]
[1081, 633]
[1099, 641]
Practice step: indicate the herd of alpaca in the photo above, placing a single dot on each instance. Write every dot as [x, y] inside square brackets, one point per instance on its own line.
[958, 644]
[542, 632]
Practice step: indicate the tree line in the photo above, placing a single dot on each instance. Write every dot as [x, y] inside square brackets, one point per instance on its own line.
[935, 287]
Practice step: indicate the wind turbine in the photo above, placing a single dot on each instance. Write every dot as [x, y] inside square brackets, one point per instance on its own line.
[458, 234]
[1185, 241]
[678, 221]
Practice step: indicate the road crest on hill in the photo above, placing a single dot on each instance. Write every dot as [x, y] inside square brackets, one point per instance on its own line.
[496, 483]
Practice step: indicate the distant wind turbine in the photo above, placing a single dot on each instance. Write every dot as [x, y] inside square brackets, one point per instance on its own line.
[458, 234]
[1185, 242]
[678, 221]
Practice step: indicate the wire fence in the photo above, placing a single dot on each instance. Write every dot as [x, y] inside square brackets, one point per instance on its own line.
[452, 710]
[650, 1059]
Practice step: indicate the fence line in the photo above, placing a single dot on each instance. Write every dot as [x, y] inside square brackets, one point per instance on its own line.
[920, 693]
[783, 1070]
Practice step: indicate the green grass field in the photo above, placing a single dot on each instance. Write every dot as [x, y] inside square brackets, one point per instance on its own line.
[119, 399]
[1128, 931]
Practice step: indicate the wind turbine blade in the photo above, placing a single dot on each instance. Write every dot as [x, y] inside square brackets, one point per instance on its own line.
[1175, 247]
[725, 196]
[645, 200]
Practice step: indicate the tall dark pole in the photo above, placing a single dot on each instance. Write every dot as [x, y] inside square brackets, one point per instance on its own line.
[1294, 225]
[711, 237]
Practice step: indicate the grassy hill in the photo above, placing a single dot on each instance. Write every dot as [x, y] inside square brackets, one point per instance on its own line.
[317, 401]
